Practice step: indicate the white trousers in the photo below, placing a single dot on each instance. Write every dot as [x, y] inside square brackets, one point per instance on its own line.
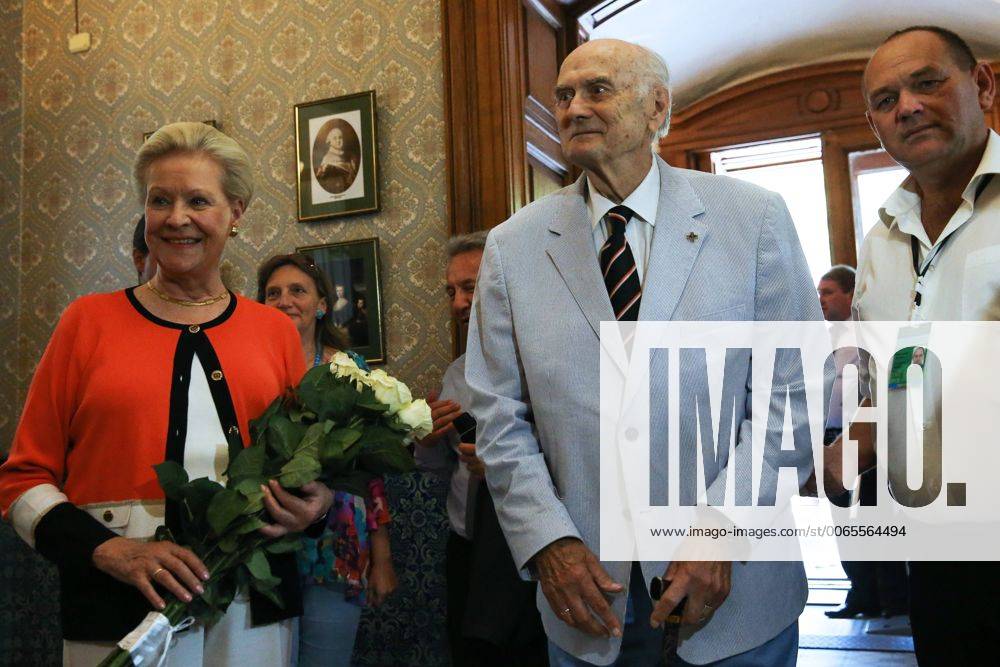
[229, 643]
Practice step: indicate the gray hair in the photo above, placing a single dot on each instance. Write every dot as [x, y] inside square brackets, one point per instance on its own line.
[653, 73]
[237, 171]
[472, 242]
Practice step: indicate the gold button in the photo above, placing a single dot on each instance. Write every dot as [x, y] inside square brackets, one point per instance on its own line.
[108, 515]
[194, 328]
[216, 375]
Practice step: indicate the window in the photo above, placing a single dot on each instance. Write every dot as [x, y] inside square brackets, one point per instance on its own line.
[874, 176]
[794, 169]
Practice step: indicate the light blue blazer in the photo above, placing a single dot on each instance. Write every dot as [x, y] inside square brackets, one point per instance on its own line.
[532, 365]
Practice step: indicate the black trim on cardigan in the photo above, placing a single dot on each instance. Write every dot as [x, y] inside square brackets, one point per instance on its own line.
[222, 317]
[180, 385]
[221, 395]
[67, 536]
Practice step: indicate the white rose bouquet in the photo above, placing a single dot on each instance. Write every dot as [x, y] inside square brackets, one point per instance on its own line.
[342, 425]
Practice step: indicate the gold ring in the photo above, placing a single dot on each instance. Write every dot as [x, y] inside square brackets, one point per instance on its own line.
[156, 572]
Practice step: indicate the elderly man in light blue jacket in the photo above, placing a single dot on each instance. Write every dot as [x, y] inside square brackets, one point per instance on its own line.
[632, 239]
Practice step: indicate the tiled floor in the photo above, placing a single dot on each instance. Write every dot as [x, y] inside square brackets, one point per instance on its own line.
[813, 622]
[823, 563]
[822, 658]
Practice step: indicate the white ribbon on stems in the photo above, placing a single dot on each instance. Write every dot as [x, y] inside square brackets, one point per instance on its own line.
[151, 640]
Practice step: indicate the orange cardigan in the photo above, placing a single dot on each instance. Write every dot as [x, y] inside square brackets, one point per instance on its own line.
[96, 416]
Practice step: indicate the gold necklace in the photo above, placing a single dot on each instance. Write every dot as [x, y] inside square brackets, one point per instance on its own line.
[182, 302]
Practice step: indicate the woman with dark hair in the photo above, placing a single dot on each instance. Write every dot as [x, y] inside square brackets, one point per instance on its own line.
[297, 287]
[350, 563]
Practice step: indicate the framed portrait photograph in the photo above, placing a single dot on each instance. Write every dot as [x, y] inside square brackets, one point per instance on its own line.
[336, 157]
[356, 308]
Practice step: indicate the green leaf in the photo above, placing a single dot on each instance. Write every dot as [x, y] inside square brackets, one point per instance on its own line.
[313, 436]
[260, 571]
[229, 543]
[196, 497]
[249, 525]
[355, 481]
[248, 463]
[259, 426]
[172, 477]
[284, 435]
[336, 443]
[368, 402]
[223, 510]
[312, 386]
[382, 451]
[302, 469]
[250, 489]
[284, 545]
[328, 397]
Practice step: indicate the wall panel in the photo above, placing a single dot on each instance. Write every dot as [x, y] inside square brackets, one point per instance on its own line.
[11, 111]
[244, 64]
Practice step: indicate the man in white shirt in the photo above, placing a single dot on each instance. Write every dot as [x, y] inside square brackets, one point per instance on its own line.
[492, 619]
[936, 256]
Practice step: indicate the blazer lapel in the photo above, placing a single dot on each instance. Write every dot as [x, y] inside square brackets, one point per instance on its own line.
[571, 248]
[679, 234]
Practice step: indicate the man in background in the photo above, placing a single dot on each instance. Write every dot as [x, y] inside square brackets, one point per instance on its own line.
[145, 266]
[491, 617]
[876, 588]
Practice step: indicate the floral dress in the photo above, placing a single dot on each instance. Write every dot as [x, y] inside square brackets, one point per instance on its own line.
[343, 552]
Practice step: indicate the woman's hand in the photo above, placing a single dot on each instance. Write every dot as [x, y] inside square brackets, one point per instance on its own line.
[292, 514]
[382, 577]
[142, 564]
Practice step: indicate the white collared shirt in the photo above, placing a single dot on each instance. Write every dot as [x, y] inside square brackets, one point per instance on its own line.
[963, 279]
[644, 202]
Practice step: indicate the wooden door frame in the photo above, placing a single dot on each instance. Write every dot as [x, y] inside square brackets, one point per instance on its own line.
[484, 85]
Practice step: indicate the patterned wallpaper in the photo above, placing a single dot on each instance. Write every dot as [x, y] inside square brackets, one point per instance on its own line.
[244, 64]
[10, 210]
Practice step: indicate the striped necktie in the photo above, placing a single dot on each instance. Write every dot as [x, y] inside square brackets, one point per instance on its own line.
[618, 266]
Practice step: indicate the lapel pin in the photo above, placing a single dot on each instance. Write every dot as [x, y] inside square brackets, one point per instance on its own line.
[692, 237]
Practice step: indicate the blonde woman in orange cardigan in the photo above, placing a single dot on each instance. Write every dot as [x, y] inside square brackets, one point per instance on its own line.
[171, 370]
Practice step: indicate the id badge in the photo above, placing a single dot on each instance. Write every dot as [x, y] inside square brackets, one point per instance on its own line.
[912, 350]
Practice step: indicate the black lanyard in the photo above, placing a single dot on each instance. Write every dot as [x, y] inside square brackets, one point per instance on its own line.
[919, 270]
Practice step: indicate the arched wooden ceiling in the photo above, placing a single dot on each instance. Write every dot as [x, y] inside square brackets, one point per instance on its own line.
[713, 44]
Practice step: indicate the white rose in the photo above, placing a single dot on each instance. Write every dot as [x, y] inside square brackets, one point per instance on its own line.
[388, 390]
[417, 415]
[343, 366]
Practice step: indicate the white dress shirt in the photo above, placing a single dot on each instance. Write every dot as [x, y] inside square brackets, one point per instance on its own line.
[644, 202]
[442, 458]
[963, 279]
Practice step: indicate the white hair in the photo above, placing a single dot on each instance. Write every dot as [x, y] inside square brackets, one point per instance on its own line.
[653, 73]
